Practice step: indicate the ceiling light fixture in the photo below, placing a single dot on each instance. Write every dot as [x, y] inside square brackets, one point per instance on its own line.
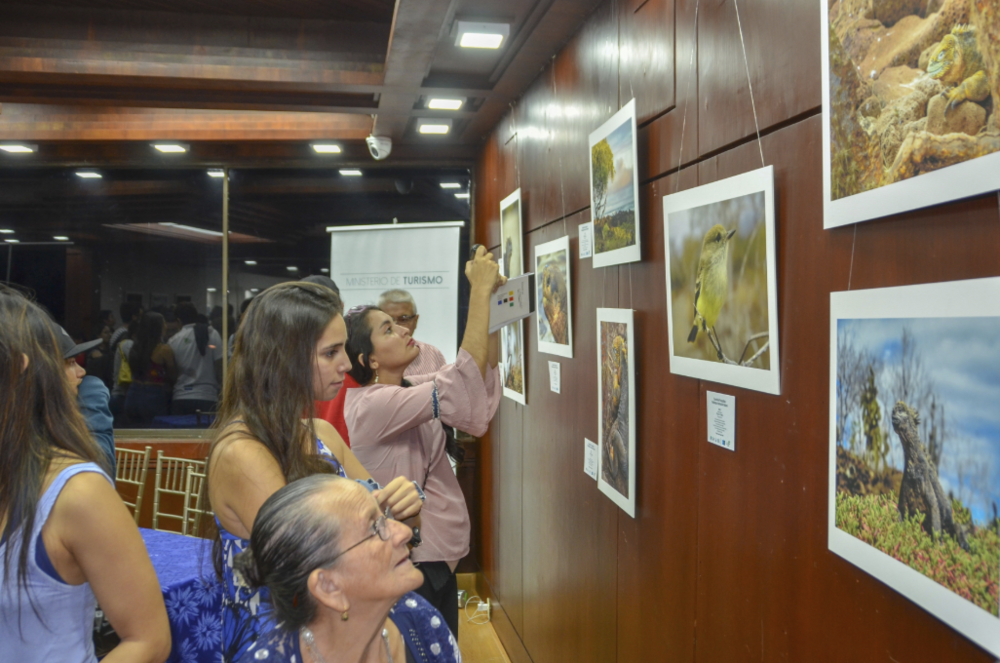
[18, 149]
[481, 35]
[250, 262]
[326, 148]
[6, 231]
[293, 268]
[350, 172]
[13, 241]
[89, 174]
[433, 126]
[192, 229]
[212, 289]
[450, 185]
[170, 148]
[461, 195]
[324, 270]
[445, 104]
[61, 238]
[216, 172]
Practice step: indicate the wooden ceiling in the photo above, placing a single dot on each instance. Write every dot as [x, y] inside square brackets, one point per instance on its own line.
[249, 83]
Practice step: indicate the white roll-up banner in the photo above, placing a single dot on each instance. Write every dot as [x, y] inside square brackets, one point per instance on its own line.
[421, 258]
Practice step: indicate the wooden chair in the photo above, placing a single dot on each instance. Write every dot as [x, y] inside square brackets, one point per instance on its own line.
[132, 466]
[193, 511]
[171, 476]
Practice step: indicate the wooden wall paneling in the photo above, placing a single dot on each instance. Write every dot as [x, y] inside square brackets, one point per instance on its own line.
[569, 526]
[782, 47]
[486, 193]
[657, 568]
[672, 138]
[509, 577]
[586, 88]
[538, 163]
[646, 56]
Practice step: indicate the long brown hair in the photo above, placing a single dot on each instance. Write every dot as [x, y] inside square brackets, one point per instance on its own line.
[39, 420]
[269, 385]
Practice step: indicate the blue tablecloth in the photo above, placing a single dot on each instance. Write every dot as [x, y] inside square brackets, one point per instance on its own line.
[192, 594]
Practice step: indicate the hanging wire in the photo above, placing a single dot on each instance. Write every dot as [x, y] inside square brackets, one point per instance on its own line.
[746, 64]
[687, 97]
[850, 273]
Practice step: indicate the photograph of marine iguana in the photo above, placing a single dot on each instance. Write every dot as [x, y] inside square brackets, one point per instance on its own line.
[911, 105]
[512, 265]
[915, 445]
[614, 189]
[554, 298]
[616, 407]
[722, 295]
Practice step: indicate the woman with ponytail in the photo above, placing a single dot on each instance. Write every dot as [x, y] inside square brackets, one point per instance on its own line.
[395, 424]
[66, 539]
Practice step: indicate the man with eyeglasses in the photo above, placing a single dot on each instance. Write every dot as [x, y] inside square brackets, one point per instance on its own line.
[399, 305]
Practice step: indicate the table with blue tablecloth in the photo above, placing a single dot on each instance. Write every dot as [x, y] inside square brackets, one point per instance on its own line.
[191, 593]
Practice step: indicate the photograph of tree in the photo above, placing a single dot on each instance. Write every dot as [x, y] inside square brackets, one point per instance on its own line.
[614, 189]
[721, 282]
[616, 407]
[554, 298]
[911, 94]
[915, 446]
[512, 265]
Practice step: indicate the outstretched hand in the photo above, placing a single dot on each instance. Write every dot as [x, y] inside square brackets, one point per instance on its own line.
[483, 271]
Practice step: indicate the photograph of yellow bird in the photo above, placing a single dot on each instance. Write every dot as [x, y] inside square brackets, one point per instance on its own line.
[553, 298]
[712, 284]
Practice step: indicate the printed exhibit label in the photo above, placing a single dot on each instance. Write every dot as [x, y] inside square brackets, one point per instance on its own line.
[590, 458]
[722, 420]
[555, 376]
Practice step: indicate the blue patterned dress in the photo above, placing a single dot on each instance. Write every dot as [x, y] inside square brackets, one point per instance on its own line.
[246, 612]
[427, 637]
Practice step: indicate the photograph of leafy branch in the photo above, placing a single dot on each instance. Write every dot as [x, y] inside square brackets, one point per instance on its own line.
[614, 189]
[917, 436]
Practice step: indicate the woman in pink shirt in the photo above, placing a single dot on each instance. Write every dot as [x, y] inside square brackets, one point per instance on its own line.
[395, 425]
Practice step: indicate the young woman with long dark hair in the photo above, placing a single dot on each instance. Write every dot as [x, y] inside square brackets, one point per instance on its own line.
[68, 541]
[153, 372]
[288, 352]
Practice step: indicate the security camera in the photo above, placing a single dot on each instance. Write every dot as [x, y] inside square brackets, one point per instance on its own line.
[379, 146]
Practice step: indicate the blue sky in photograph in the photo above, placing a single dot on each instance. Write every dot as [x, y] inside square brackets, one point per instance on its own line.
[961, 357]
[621, 190]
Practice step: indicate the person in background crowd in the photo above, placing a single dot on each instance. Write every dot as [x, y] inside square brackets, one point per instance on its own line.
[319, 279]
[341, 580]
[171, 324]
[289, 351]
[232, 337]
[100, 361]
[106, 318]
[395, 423]
[91, 394]
[66, 539]
[198, 350]
[130, 312]
[122, 376]
[399, 305]
[154, 372]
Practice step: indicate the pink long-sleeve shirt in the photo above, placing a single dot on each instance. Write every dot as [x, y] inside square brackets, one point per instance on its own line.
[394, 432]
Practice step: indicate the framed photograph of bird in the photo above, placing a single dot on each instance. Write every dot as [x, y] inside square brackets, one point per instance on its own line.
[614, 189]
[722, 290]
[554, 298]
[914, 464]
[911, 106]
[616, 421]
[512, 265]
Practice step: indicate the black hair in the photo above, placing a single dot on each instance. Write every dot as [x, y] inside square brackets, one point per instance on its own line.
[186, 313]
[104, 314]
[150, 335]
[129, 310]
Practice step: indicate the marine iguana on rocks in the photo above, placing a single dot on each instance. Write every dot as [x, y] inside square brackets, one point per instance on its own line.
[957, 61]
[920, 490]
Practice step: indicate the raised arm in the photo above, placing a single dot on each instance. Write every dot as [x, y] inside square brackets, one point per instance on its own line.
[484, 277]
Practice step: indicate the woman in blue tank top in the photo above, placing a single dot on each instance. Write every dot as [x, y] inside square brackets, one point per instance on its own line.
[66, 539]
[288, 353]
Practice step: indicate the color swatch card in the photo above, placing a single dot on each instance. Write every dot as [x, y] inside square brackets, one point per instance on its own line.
[512, 302]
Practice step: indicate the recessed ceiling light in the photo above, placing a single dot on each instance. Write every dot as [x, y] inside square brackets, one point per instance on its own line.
[88, 175]
[6, 231]
[170, 148]
[324, 270]
[216, 172]
[214, 233]
[444, 104]
[293, 268]
[450, 185]
[250, 262]
[481, 35]
[326, 148]
[13, 241]
[18, 149]
[213, 290]
[461, 195]
[254, 289]
[61, 238]
[437, 129]
[350, 172]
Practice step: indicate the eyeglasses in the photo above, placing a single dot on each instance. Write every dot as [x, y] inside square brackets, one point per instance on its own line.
[403, 319]
[380, 528]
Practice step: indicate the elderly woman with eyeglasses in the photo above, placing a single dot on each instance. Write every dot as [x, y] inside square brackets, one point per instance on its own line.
[340, 578]
[395, 424]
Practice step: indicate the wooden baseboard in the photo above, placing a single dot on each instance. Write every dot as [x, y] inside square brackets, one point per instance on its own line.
[477, 584]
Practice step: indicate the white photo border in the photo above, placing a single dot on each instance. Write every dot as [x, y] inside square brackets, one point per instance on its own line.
[626, 316]
[756, 181]
[516, 396]
[625, 254]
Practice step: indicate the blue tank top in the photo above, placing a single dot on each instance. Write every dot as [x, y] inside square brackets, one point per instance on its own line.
[246, 612]
[63, 628]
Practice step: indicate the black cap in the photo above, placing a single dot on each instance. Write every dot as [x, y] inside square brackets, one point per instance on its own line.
[319, 279]
[68, 347]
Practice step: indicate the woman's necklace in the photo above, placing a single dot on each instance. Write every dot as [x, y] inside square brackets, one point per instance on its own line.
[310, 640]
